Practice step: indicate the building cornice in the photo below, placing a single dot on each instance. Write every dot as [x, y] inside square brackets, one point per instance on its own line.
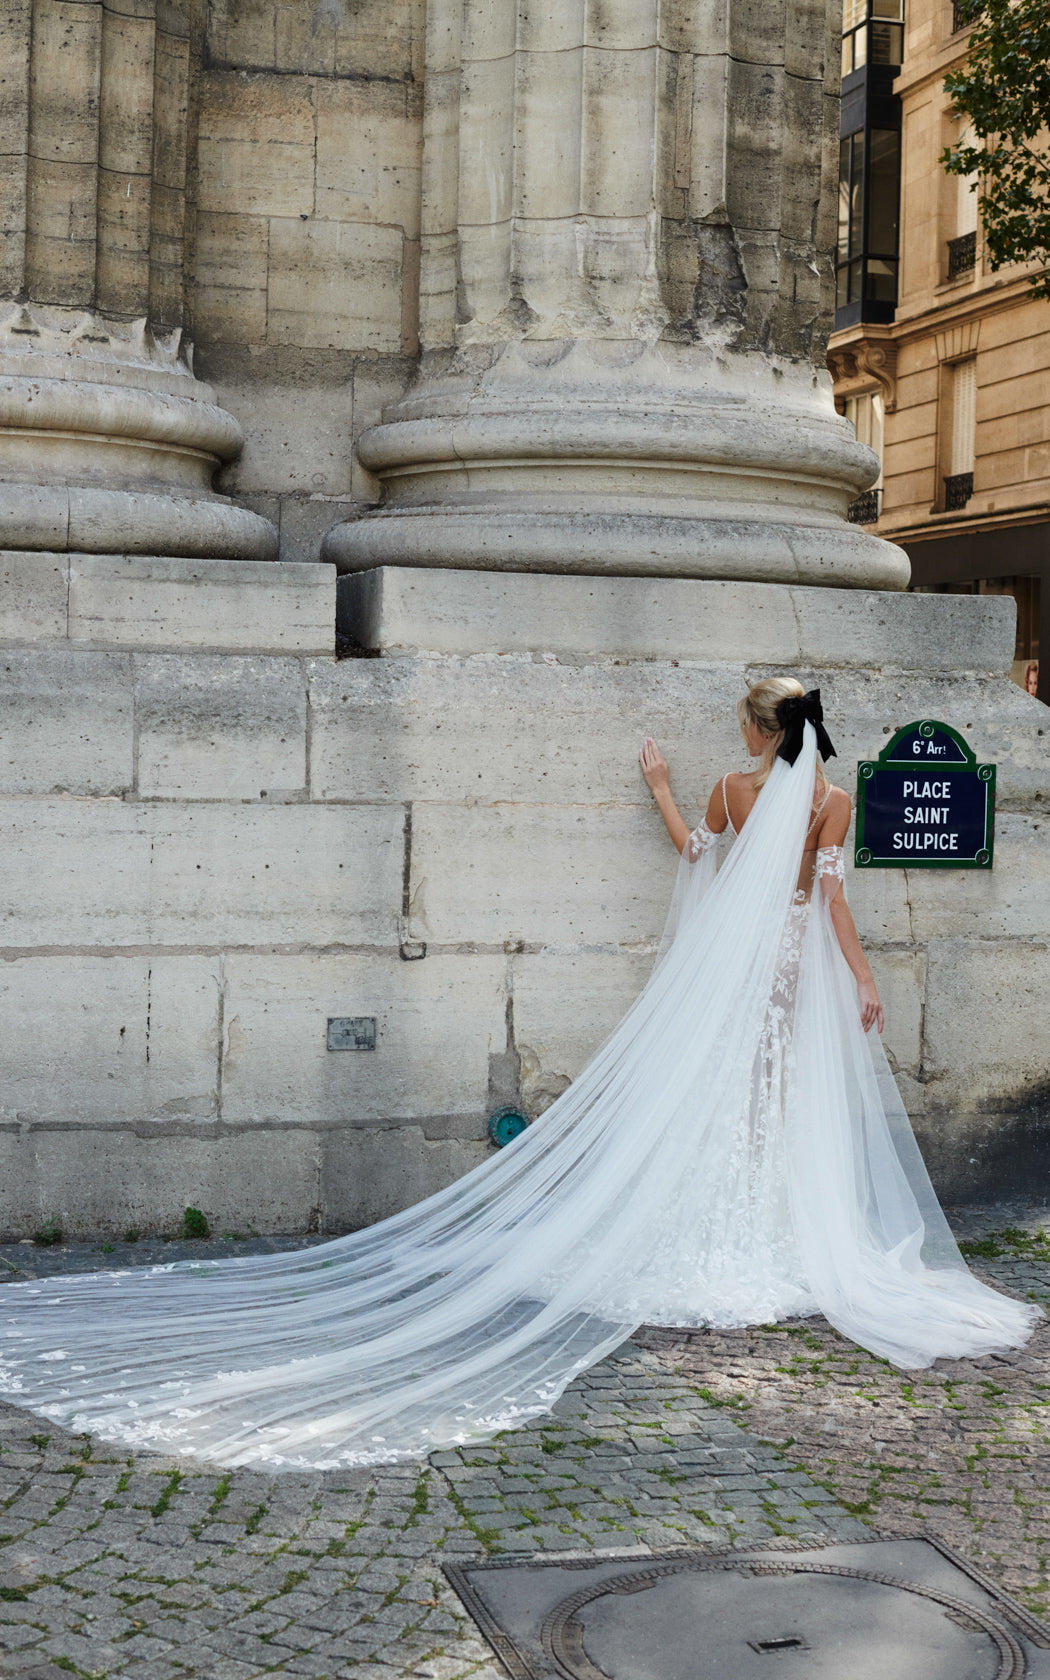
[948, 525]
[991, 300]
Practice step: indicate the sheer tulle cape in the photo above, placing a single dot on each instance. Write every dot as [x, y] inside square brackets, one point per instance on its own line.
[471, 1312]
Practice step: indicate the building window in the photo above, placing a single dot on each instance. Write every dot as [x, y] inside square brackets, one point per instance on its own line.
[872, 33]
[866, 414]
[963, 215]
[964, 15]
[958, 481]
[868, 232]
[869, 163]
[962, 255]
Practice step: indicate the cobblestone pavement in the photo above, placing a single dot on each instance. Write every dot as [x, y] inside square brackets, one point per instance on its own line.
[159, 1569]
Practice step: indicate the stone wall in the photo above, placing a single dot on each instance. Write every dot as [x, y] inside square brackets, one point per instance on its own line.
[216, 836]
[306, 265]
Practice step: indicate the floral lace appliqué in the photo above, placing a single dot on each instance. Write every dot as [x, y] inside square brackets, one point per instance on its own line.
[831, 860]
[700, 841]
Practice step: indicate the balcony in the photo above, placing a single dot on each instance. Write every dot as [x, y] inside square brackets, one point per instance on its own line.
[957, 491]
[962, 255]
[865, 509]
[964, 15]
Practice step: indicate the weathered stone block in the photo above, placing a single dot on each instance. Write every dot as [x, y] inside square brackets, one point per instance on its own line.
[104, 1183]
[539, 873]
[914, 633]
[484, 730]
[975, 1157]
[220, 728]
[281, 875]
[901, 979]
[33, 596]
[564, 1007]
[985, 1023]
[158, 602]
[437, 1022]
[446, 611]
[335, 285]
[298, 424]
[100, 1040]
[256, 146]
[367, 1176]
[230, 290]
[304, 523]
[241, 32]
[103, 873]
[69, 722]
[403, 608]
[77, 873]
[1010, 901]
[377, 177]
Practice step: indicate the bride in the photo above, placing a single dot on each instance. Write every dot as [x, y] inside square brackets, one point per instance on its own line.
[735, 1152]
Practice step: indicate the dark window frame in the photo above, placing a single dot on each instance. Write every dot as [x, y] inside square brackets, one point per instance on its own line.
[869, 106]
[871, 27]
[859, 305]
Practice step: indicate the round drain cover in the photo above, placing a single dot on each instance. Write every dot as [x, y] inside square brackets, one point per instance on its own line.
[723, 1620]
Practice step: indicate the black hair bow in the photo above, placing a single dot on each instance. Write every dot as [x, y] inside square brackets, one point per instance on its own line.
[792, 715]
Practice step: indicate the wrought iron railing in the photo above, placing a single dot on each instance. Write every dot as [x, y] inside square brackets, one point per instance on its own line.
[957, 491]
[964, 13]
[962, 254]
[865, 509]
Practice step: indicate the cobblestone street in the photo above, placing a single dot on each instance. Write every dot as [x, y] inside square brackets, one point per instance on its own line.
[149, 1568]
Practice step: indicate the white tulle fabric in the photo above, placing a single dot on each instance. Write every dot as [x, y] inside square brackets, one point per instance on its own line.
[735, 1152]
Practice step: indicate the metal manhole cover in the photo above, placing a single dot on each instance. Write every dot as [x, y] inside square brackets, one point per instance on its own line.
[906, 1609]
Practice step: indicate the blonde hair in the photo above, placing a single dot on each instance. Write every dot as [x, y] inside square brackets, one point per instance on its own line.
[759, 708]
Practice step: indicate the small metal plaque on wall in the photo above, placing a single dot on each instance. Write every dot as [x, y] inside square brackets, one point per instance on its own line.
[925, 803]
[351, 1032]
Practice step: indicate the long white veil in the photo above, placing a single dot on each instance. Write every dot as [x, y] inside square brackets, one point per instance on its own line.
[472, 1311]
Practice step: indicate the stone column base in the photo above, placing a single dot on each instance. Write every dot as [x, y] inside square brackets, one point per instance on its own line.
[404, 610]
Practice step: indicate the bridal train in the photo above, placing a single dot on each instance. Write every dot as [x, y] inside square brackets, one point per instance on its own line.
[735, 1152]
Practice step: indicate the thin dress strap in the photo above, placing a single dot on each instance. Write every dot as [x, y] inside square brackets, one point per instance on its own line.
[725, 802]
[819, 809]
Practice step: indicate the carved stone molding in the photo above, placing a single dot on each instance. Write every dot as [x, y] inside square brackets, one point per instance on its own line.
[865, 363]
[956, 343]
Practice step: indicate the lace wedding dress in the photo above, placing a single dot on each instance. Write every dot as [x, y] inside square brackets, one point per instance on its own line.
[736, 1152]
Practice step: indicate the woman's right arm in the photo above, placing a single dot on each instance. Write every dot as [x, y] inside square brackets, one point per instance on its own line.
[656, 773]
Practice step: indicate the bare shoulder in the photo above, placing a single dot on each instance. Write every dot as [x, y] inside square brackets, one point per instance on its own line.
[836, 818]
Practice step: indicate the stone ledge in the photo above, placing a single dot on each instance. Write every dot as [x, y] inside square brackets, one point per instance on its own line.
[397, 609]
[103, 1181]
[163, 602]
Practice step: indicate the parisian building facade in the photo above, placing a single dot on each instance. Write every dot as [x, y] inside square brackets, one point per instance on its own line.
[942, 363]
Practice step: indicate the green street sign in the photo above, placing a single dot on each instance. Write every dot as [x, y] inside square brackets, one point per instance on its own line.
[925, 803]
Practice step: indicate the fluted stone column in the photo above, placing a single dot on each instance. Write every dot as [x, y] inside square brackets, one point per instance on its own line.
[625, 300]
[108, 442]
